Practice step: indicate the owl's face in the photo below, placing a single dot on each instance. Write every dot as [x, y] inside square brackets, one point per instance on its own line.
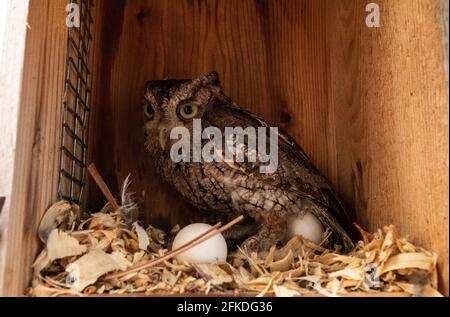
[175, 103]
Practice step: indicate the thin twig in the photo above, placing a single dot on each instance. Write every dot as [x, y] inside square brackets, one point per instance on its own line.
[364, 233]
[102, 185]
[201, 238]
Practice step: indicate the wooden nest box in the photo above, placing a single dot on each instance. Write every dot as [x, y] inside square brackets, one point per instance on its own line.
[368, 104]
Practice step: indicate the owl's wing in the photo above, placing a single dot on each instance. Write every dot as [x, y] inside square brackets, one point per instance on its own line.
[295, 170]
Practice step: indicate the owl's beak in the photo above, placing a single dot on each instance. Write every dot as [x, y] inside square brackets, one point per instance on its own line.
[163, 137]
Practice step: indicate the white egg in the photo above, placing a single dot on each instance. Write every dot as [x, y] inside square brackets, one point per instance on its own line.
[307, 226]
[212, 250]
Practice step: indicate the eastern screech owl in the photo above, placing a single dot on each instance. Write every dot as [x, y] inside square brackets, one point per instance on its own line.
[223, 190]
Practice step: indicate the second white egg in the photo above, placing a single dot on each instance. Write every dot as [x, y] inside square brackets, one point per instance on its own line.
[307, 226]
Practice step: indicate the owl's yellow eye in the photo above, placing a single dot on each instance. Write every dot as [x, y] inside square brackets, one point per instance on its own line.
[187, 111]
[148, 111]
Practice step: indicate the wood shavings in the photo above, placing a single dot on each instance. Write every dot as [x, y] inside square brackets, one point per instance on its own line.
[408, 260]
[61, 245]
[283, 264]
[142, 235]
[102, 220]
[47, 291]
[87, 269]
[75, 261]
[283, 291]
[60, 215]
[213, 274]
[41, 262]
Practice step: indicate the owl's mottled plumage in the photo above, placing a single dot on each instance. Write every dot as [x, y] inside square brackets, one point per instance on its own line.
[223, 190]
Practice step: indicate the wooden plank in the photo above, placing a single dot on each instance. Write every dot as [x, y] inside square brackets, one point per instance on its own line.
[38, 139]
[390, 98]
[272, 59]
[12, 48]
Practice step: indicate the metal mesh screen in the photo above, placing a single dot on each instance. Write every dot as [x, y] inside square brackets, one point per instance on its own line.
[76, 103]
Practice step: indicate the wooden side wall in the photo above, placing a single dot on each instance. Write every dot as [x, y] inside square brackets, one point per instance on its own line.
[36, 162]
[12, 50]
[37, 138]
[389, 93]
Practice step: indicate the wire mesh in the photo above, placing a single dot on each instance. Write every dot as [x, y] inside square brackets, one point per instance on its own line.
[76, 107]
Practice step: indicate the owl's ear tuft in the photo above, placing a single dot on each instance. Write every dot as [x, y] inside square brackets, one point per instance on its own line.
[211, 78]
[149, 86]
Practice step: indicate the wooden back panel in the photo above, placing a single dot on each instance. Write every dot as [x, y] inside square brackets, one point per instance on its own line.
[271, 57]
[367, 104]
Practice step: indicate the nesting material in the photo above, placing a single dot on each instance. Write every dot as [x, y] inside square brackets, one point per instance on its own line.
[80, 256]
[109, 253]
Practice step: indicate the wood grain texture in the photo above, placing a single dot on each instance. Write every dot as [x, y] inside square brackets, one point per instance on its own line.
[368, 105]
[271, 57]
[390, 100]
[37, 145]
[12, 50]
[442, 13]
